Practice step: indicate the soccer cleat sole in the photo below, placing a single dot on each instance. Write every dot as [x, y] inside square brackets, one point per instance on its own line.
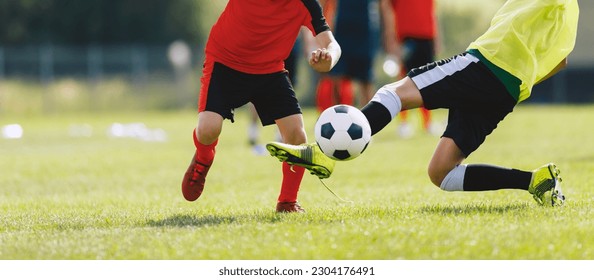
[557, 197]
[284, 156]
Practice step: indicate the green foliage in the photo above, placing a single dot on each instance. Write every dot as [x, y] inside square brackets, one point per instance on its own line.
[65, 197]
[208, 12]
[98, 21]
[462, 21]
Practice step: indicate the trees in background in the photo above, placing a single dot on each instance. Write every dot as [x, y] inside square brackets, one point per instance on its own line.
[76, 22]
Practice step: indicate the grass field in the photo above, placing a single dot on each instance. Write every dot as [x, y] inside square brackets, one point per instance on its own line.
[65, 197]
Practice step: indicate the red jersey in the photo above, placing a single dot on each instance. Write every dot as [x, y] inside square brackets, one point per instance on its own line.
[415, 19]
[256, 36]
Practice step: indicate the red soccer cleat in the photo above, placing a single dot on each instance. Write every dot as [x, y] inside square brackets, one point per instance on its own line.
[193, 182]
[285, 207]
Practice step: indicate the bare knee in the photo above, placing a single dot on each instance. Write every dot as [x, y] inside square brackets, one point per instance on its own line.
[436, 174]
[446, 157]
[209, 127]
[207, 134]
[292, 129]
[294, 136]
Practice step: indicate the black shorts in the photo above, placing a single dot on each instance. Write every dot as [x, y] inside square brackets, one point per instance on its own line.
[224, 89]
[417, 52]
[477, 100]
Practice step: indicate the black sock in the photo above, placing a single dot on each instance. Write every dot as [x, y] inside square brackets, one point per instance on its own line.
[481, 177]
[377, 115]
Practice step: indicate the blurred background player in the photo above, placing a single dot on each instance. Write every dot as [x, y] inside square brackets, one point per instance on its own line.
[411, 37]
[357, 28]
[249, 67]
[253, 132]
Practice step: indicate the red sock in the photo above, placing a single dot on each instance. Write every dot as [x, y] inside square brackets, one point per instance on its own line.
[324, 94]
[345, 91]
[426, 115]
[204, 153]
[403, 115]
[292, 176]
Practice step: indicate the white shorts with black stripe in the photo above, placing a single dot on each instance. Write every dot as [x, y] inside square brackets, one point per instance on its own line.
[477, 100]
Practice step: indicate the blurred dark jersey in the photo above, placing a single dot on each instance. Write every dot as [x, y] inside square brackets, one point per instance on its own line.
[357, 26]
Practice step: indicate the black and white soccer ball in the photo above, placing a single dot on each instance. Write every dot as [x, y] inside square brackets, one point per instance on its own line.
[342, 132]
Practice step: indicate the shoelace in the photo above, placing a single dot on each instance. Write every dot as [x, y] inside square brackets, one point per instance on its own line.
[197, 173]
[332, 192]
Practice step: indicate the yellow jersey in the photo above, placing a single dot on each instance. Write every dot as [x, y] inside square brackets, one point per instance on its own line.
[529, 38]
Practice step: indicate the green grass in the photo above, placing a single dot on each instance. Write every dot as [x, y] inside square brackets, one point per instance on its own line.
[63, 197]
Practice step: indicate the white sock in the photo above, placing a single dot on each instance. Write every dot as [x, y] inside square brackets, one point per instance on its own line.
[253, 133]
[454, 181]
[389, 99]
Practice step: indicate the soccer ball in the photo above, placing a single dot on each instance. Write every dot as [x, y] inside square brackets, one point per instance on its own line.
[342, 132]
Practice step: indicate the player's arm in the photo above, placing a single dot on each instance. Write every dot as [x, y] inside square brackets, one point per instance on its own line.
[555, 70]
[391, 46]
[328, 53]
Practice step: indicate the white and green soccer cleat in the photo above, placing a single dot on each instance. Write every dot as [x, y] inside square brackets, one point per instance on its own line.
[546, 179]
[306, 155]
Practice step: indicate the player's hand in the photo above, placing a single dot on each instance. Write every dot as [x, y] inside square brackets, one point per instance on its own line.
[321, 60]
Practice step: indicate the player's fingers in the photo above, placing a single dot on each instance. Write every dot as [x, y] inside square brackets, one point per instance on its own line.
[326, 55]
[323, 54]
[320, 54]
[315, 56]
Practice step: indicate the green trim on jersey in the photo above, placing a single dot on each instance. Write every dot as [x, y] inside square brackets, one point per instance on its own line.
[511, 82]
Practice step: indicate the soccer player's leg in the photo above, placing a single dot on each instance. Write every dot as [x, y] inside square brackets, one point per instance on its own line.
[212, 110]
[389, 100]
[295, 152]
[465, 132]
[544, 183]
[279, 106]
[446, 158]
[447, 171]
[292, 131]
[205, 140]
